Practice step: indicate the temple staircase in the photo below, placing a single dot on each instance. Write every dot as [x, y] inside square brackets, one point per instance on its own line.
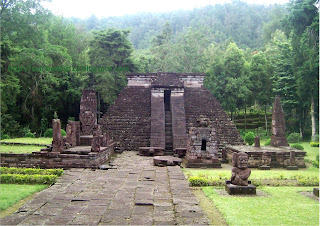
[168, 132]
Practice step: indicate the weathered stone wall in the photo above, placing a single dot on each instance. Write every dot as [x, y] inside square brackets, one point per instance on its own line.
[199, 102]
[179, 130]
[276, 158]
[65, 159]
[127, 121]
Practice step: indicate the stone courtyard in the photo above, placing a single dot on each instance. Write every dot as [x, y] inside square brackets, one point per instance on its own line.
[133, 191]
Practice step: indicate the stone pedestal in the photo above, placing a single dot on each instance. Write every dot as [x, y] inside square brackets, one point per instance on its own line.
[181, 152]
[292, 168]
[264, 167]
[240, 190]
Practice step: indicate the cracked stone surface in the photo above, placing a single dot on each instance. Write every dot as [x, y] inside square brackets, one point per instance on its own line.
[133, 192]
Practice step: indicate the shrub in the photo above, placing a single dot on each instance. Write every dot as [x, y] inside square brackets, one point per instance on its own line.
[268, 142]
[30, 171]
[294, 138]
[71, 119]
[198, 181]
[6, 136]
[316, 163]
[249, 138]
[29, 134]
[48, 133]
[28, 179]
[314, 144]
[297, 146]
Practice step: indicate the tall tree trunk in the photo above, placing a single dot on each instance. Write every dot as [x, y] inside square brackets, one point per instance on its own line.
[245, 118]
[265, 117]
[313, 120]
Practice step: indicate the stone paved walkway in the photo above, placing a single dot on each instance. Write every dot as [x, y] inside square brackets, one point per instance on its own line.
[135, 193]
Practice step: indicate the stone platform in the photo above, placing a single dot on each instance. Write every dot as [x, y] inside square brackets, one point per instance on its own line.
[76, 157]
[240, 190]
[166, 161]
[133, 192]
[269, 156]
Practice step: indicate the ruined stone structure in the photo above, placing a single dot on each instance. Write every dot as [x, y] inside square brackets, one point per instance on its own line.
[159, 110]
[278, 127]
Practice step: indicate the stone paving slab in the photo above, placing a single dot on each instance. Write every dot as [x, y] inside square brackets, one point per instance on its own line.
[134, 192]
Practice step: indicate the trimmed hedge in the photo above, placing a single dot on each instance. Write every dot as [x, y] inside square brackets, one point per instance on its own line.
[27, 179]
[314, 144]
[198, 181]
[31, 171]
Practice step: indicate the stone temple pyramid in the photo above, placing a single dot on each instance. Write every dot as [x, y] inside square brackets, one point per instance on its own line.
[168, 110]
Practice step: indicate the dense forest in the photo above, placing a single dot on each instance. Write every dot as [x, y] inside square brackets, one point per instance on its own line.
[249, 53]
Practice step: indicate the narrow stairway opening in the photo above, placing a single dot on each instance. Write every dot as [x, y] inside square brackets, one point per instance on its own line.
[168, 123]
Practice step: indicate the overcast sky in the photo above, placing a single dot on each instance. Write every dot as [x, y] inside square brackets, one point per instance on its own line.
[105, 8]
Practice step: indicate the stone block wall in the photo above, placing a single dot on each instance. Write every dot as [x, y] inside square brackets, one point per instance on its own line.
[127, 121]
[179, 130]
[200, 102]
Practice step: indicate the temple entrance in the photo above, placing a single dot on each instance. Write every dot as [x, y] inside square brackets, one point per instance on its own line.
[168, 123]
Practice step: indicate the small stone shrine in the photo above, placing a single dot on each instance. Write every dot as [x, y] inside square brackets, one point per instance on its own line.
[202, 148]
[278, 126]
[239, 183]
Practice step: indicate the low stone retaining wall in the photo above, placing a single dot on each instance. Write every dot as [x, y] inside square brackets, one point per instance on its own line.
[77, 157]
[269, 156]
[23, 144]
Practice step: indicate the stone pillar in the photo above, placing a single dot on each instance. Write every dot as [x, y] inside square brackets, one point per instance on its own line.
[157, 138]
[77, 133]
[57, 141]
[292, 158]
[95, 145]
[88, 111]
[179, 130]
[278, 137]
[257, 142]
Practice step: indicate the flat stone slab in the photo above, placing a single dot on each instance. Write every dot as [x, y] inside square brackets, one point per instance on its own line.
[166, 161]
[134, 191]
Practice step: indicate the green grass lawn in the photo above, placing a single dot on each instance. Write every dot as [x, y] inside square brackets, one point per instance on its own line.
[312, 152]
[17, 149]
[13, 193]
[283, 206]
[255, 173]
[27, 140]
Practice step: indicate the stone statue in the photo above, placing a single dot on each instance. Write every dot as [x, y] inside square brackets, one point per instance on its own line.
[57, 141]
[240, 171]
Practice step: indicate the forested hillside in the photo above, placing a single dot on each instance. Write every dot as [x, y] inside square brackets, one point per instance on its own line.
[242, 21]
[249, 53]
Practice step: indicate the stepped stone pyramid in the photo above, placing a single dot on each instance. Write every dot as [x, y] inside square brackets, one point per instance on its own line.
[159, 109]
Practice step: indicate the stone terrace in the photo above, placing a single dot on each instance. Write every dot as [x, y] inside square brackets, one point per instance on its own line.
[133, 192]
